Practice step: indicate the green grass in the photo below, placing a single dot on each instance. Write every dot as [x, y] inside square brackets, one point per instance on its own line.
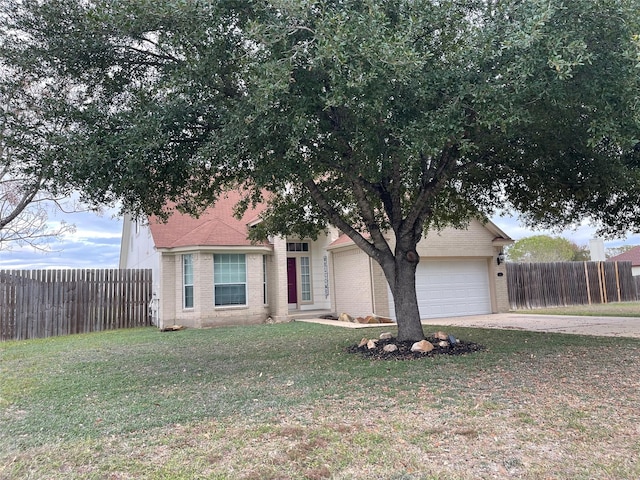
[287, 401]
[618, 309]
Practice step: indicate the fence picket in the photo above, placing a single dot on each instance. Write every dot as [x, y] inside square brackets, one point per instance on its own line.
[45, 303]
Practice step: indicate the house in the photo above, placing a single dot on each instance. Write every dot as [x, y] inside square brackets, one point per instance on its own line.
[632, 255]
[207, 273]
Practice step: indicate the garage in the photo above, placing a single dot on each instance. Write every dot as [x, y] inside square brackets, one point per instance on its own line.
[452, 288]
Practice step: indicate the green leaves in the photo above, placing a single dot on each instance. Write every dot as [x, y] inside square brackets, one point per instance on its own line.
[403, 114]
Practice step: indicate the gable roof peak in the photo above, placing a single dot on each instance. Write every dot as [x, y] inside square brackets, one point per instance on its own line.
[216, 226]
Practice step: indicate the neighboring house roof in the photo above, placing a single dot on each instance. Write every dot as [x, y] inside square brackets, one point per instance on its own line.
[632, 255]
[217, 226]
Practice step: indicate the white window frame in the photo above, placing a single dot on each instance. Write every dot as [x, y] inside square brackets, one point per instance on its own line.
[187, 282]
[265, 291]
[217, 282]
[305, 286]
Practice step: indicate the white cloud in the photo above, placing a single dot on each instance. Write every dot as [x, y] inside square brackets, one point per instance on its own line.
[94, 244]
[580, 234]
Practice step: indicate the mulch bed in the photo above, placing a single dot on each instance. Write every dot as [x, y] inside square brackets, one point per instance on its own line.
[404, 349]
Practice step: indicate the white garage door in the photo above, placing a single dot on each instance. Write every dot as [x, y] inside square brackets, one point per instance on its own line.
[448, 288]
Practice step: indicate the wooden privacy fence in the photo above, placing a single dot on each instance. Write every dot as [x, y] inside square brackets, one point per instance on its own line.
[536, 285]
[47, 303]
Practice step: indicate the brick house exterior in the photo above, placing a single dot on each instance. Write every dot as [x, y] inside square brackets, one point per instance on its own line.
[479, 244]
[207, 273]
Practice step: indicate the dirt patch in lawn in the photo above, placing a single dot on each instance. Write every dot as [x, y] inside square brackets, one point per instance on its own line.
[381, 350]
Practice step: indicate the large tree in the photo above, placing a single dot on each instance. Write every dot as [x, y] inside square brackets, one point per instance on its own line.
[378, 117]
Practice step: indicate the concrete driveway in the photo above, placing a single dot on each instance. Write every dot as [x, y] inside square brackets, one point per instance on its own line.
[598, 326]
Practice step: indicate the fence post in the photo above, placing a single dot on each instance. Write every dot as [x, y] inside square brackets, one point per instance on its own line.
[603, 283]
[586, 275]
[617, 280]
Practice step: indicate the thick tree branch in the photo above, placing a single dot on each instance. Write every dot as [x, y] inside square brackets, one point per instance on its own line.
[431, 183]
[158, 56]
[368, 213]
[18, 208]
[336, 219]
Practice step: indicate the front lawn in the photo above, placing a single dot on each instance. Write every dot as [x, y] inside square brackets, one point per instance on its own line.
[287, 402]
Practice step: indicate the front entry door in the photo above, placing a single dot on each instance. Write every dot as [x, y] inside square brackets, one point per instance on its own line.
[292, 283]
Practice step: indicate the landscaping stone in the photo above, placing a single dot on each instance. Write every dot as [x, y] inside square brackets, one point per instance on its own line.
[384, 319]
[369, 319]
[172, 328]
[422, 346]
[441, 336]
[404, 352]
[390, 348]
[345, 317]
[386, 336]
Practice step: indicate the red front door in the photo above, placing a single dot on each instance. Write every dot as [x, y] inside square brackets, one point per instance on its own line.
[292, 284]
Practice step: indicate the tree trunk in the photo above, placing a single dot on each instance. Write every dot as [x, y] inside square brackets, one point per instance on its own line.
[403, 287]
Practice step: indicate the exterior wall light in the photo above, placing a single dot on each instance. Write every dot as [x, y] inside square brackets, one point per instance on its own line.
[500, 258]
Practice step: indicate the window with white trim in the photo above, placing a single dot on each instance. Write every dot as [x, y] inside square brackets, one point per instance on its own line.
[305, 279]
[297, 247]
[265, 298]
[229, 279]
[187, 281]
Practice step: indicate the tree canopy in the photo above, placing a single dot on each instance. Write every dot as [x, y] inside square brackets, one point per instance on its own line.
[25, 146]
[374, 116]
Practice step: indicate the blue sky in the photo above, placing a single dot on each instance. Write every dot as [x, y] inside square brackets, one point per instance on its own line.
[96, 242]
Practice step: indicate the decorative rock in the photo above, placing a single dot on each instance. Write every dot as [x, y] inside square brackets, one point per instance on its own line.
[384, 320]
[371, 344]
[363, 342]
[390, 348]
[386, 336]
[361, 320]
[172, 328]
[345, 317]
[443, 343]
[441, 336]
[422, 346]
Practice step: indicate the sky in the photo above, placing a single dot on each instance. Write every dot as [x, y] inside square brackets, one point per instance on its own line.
[96, 242]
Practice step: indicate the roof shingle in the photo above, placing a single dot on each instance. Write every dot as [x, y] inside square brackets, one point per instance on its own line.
[632, 255]
[217, 226]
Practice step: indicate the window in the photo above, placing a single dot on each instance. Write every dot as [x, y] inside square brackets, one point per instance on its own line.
[229, 279]
[264, 280]
[305, 279]
[187, 281]
[297, 247]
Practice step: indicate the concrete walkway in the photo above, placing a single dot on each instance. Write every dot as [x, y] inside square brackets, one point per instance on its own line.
[598, 326]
